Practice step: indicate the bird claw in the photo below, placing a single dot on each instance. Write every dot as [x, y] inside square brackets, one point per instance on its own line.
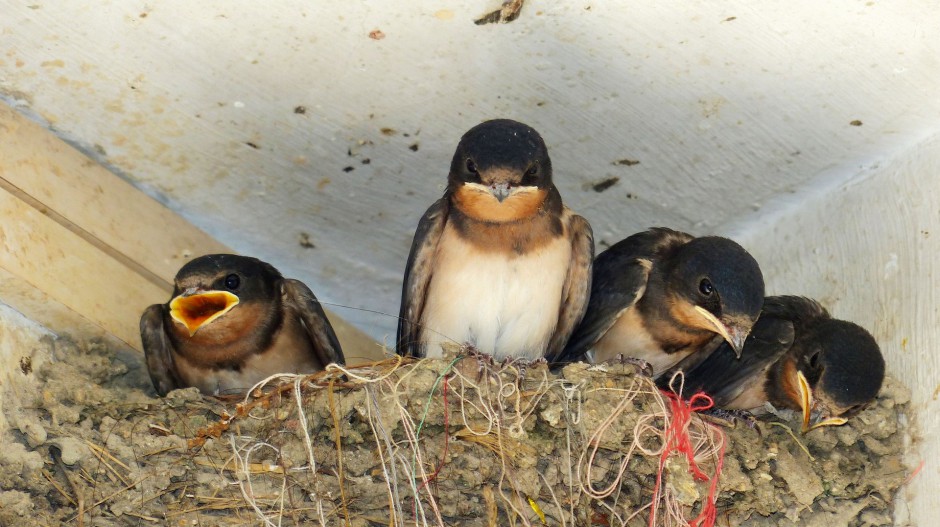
[520, 365]
[644, 367]
[523, 365]
[732, 416]
[483, 359]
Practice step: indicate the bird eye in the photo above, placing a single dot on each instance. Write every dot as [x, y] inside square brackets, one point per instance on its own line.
[533, 170]
[232, 281]
[471, 166]
[705, 287]
[814, 360]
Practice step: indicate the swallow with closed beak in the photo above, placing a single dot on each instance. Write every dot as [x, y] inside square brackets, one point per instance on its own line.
[499, 262]
[662, 295]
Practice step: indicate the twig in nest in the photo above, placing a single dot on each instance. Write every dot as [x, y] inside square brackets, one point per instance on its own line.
[209, 503]
[253, 468]
[798, 442]
[339, 454]
[107, 498]
[55, 484]
[495, 441]
[101, 454]
[56, 454]
[319, 380]
[491, 511]
[141, 516]
[561, 511]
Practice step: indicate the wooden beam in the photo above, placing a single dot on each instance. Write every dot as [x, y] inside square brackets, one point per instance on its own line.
[39, 167]
[45, 255]
[81, 244]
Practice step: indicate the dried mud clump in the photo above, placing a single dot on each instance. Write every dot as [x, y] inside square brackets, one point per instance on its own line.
[459, 441]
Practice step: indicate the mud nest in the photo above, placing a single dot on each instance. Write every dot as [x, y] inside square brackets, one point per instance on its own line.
[458, 441]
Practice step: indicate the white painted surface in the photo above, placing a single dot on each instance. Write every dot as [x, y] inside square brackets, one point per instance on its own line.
[869, 249]
[727, 107]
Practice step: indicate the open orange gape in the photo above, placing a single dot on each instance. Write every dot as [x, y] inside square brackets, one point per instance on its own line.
[197, 310]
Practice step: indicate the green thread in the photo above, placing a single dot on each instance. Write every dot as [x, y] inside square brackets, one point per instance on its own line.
[427, 407]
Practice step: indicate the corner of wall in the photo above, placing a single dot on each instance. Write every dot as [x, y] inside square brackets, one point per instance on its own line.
[867, 245]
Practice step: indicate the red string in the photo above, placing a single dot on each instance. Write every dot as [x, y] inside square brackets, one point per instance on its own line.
[915, 473]
[446, 438]
[678, 440]
[710, 511]
[414, 504]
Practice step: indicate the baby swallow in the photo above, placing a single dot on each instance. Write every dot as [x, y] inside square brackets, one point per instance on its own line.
[661, 295]
[232, 321]
[498, 262]
[797, 357]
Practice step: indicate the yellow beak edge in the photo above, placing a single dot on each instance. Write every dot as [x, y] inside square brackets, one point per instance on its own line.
[198, 310]
[806, 404]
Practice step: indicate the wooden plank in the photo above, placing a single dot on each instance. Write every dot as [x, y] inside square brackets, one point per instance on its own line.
[47, 312]
[45, 255]
[129, 225]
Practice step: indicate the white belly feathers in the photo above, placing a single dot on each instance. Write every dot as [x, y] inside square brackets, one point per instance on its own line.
[504, 304]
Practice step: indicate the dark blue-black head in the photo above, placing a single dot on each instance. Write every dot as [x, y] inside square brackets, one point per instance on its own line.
[210, 286]
[501, 173]
[722, 283]
[502, 152]
[843, 369]
[242, 275]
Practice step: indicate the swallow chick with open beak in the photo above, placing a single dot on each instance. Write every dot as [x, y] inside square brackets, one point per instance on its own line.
[797, 357]
[231, 322]
[661, 295]
[498, 262]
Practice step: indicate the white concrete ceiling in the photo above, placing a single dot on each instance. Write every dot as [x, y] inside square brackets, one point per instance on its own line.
[289, 133]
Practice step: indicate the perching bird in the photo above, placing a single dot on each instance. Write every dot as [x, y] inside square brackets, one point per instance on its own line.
[797, 357]
[499, 262]
[231, 322]
[661, 295]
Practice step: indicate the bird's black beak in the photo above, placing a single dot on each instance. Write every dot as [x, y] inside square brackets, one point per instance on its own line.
[195, 308]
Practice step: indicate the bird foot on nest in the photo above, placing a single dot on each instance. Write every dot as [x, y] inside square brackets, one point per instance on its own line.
[644, 367]
[732, 417]
[485, 360]
[522, 365]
